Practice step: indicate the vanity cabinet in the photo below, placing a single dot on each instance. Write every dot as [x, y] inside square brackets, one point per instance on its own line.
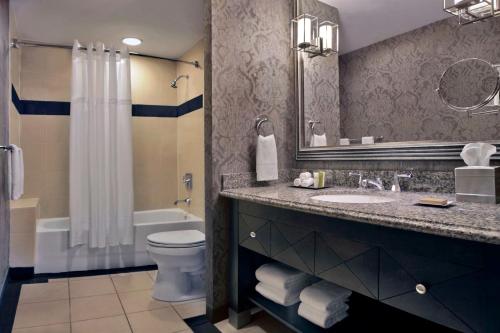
[449, 281]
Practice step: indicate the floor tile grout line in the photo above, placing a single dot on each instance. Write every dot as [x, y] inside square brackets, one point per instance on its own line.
[69, 304]
[121, 304]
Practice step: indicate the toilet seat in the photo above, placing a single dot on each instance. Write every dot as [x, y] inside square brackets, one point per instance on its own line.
[177, 239]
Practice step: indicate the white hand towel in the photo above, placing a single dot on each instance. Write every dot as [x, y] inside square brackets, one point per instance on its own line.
[296, 182]
[324, 296]
[16, 173]
[318, 140]
[306, 182]
[282, 277]
[305, 175]
[267, 158]
[368, 140]
[282, 297]
[322, 319]
[345, 142]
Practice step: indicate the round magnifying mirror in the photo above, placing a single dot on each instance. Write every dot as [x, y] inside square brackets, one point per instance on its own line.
[469, 84]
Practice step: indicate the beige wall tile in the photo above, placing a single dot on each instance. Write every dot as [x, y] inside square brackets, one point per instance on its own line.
[151, 81]
[22, 250]
[23, 220]
[194, 86]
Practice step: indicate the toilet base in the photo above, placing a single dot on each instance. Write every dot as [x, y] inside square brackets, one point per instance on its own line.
[173, 285]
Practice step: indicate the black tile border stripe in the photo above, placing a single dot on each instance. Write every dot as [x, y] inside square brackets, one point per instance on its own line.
[53, 108]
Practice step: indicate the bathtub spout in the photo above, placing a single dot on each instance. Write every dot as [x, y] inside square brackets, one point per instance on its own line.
[187, 201]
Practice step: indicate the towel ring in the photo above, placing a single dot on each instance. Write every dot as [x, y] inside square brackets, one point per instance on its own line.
[312, 126]
[261, 120]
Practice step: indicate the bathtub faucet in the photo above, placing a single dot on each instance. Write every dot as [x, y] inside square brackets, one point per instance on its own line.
[187, 201]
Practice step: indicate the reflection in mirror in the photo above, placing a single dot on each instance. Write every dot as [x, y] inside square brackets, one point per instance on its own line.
[469, 84]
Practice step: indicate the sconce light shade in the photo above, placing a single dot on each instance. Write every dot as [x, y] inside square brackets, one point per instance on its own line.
[469, 11]
[304, 30]
[329, 37]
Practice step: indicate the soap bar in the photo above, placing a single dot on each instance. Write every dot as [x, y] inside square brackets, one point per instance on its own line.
[433, 201]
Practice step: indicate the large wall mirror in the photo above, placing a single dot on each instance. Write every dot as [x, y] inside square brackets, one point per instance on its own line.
[402, 85]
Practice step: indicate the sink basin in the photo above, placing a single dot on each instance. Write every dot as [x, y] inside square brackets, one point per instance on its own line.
[353, 198]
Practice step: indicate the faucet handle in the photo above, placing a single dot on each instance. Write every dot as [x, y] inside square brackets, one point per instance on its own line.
[357, 174]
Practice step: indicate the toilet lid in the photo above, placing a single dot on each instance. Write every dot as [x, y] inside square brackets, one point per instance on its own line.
[180, 238]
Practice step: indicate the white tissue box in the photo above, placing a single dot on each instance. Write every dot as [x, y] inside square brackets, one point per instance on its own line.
[478, 184]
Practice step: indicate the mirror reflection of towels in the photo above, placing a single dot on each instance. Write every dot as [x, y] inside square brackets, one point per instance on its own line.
[318, 140]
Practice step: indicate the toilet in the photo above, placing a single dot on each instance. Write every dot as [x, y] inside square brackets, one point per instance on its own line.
[180, 256]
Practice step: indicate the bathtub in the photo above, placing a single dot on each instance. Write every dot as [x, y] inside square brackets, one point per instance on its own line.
[53, 253]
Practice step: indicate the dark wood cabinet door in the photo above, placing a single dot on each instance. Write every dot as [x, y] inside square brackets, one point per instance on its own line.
[254, 234]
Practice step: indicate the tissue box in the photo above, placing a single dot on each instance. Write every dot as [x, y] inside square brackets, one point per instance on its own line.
[478, 184]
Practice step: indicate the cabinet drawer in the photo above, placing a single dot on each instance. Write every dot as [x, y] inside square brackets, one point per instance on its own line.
[425, 287]
[293, 245]
[254, 234]
[348, 263]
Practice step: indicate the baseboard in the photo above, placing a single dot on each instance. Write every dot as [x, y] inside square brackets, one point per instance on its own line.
[21, 273]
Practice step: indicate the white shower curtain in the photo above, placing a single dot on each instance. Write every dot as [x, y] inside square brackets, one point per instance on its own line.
[101, 176]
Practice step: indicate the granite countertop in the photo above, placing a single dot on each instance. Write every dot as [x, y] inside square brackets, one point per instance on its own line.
[476, 222]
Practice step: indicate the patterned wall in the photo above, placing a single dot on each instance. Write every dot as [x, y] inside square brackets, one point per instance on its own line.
[321, 81]
[388, 88]
[4, 109]
[252, 74]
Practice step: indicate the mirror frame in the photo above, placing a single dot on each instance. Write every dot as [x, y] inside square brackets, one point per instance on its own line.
[405, 150]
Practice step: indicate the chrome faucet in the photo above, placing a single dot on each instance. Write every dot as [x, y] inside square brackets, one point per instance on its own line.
[395, 183]
[377, 183]
[360, 175]
[187, 201]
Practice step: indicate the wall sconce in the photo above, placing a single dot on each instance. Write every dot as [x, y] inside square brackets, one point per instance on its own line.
[469, 11]
[315, 40]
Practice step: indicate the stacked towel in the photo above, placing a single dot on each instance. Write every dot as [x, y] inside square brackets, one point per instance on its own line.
[345, 142]
[368, 140]
[305, 180]
[318, 140]
[324, 304]
[16, 173]
[267, 158]
[281, 284]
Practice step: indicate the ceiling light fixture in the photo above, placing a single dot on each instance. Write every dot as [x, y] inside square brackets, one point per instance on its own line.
[469, 11]
[131, 41]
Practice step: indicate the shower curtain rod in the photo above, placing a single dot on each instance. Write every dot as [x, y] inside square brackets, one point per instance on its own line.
[16, 43]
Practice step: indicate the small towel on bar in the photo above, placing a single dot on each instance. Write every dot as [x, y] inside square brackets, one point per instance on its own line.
[267, 158]
[16, 172]
[280, 296]
[282, 277]
[324, 296]
[322, 319]
[318, 140]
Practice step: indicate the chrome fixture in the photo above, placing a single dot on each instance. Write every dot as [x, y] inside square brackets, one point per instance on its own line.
[17, 43]
[187, 179]
[260, 121]
[395, 183]
[317, 40]
[6, 148]
[421, 289]
[360, 175]
[173, 83]
[470, 11]
[187, 201]
[377, 183]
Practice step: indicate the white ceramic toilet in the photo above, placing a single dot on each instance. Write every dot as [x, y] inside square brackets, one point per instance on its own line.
[180, 256]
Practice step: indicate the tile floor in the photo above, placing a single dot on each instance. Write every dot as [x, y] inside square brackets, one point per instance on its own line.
[261, 323]
[116, 303]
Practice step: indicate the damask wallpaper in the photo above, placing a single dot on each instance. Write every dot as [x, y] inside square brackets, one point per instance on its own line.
[321, 82]
[251, 70]
[388, 89]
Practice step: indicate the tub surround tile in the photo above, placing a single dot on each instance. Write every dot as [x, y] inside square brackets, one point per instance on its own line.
[44, 292]
[95, 307]
[59, 328]
[42, 313]
[132, 281]
[138, 301]
[161, 320]
[118, 324]
[467, 221]
[90, 287]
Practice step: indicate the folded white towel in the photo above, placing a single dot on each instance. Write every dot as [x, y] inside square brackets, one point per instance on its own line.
[324, 296]
[267, 158]
[16, 173]
[296, 182]
[305, 175]
[368, 140]
[306, 182]
[322, 319]
[282, 277]
[345, 142]
[318, 140]
[280, 296]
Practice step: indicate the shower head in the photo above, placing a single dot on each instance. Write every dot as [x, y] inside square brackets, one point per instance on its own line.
[173, 83]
